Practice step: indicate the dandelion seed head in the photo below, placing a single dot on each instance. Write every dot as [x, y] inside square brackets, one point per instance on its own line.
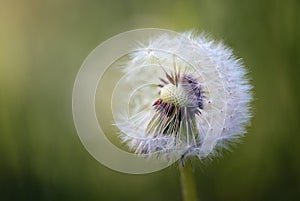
[201, 102]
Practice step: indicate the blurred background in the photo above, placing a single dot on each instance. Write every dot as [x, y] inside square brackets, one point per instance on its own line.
[42, 46]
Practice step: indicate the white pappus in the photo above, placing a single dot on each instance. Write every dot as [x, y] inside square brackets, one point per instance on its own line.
[192, 97]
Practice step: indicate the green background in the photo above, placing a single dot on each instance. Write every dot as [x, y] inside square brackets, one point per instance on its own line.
[42, 46]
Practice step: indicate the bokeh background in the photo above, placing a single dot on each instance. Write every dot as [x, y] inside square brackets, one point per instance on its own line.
[42, 46]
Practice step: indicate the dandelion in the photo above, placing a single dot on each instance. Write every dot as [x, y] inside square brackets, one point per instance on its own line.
[195, 100]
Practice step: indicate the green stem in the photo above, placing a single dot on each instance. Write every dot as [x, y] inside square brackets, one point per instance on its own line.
[187, 179]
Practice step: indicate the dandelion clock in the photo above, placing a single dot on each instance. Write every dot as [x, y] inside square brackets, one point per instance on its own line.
[176, 97]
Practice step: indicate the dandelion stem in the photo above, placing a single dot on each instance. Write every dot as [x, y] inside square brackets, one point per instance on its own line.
[188, 185]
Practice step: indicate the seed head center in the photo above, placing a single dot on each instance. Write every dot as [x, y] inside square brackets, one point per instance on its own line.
[175, 95]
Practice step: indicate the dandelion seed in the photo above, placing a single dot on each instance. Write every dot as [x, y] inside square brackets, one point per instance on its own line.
[201, 101]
